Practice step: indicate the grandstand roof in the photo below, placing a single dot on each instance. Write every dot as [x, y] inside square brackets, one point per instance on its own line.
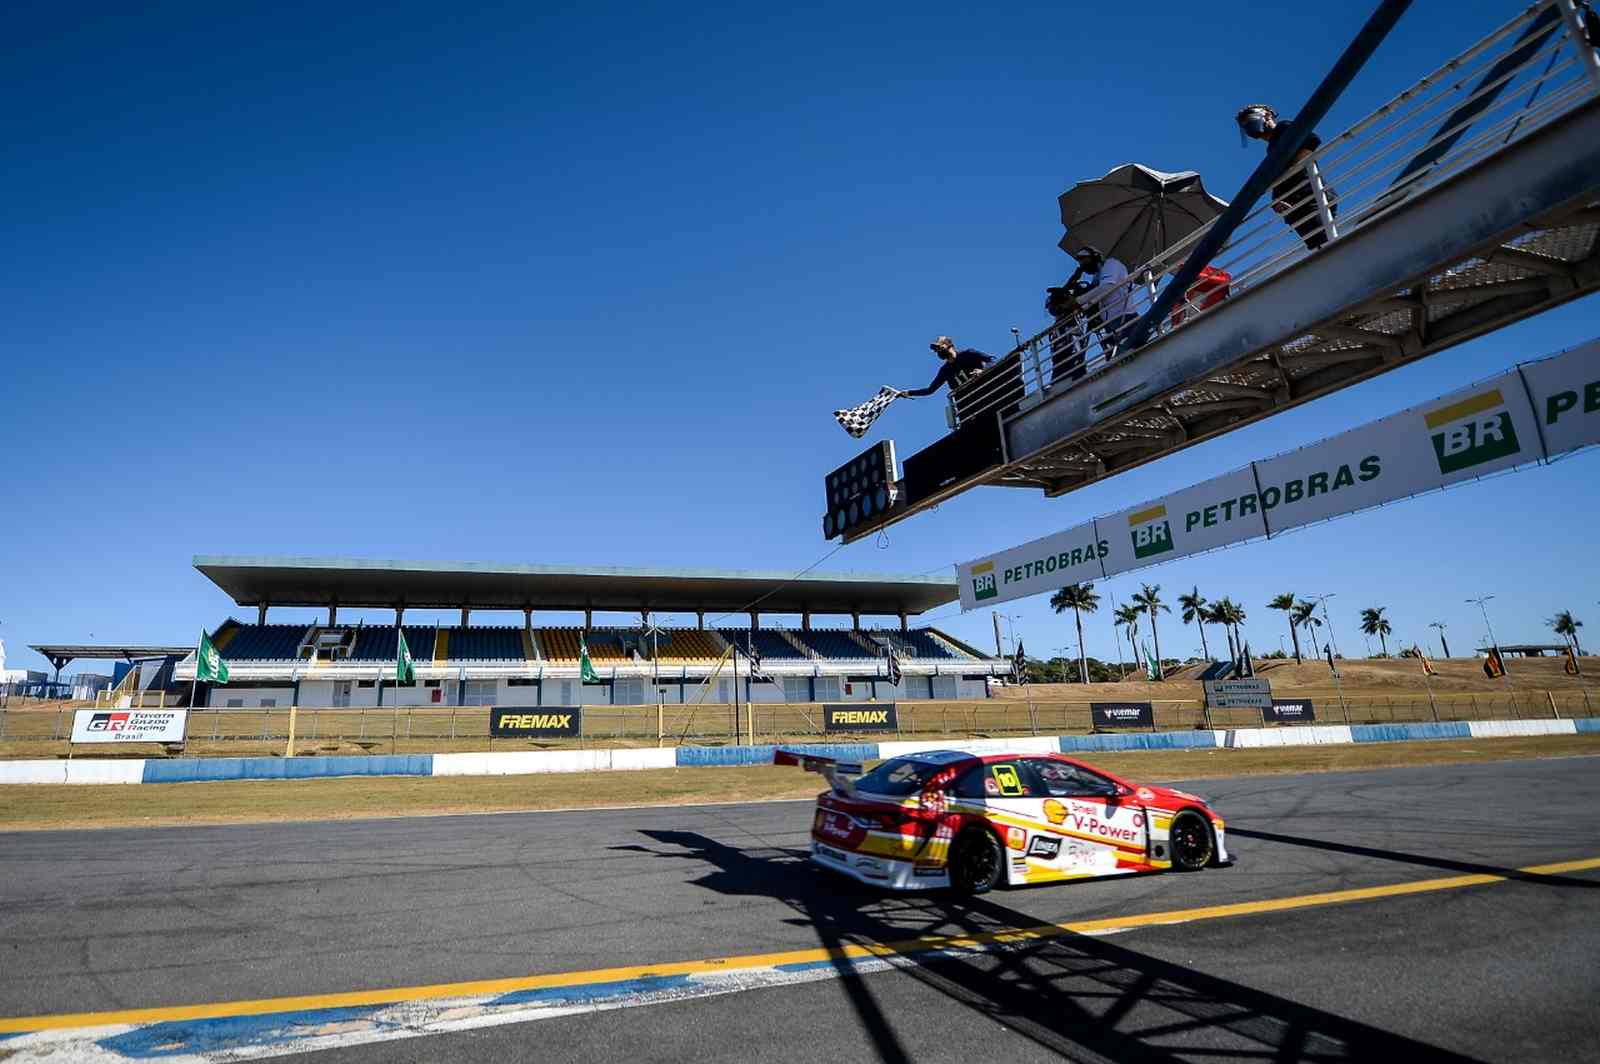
[65, 652]
[288, 581]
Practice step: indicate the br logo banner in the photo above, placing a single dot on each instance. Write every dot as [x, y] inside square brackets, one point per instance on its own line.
[860, 717]
[1475, 430]
[1151, 532]
[983, 584]
[536, 722]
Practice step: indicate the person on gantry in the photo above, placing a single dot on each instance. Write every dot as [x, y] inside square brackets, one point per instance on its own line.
[959, 367]
[1292, 196]
[1095, 299]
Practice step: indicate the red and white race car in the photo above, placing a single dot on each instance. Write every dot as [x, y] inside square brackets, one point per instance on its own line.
[945, 818]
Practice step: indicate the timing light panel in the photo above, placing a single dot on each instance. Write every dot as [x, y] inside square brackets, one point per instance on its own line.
[860, 491]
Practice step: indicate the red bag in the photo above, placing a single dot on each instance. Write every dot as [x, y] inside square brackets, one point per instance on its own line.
[1209, 289]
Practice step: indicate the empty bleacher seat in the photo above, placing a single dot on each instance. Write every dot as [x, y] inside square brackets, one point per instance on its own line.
[483, 644]
[264, 642]
[831, 643]
[377, 642]
[770, 644]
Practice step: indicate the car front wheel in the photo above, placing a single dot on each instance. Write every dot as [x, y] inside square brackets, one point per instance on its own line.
[1192, 847]
[976, 861]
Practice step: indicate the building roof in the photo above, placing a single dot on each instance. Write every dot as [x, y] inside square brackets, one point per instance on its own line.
[65, 652]
[291, 581]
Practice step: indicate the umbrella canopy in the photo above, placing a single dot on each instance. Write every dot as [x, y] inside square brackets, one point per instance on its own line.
[1133, 213]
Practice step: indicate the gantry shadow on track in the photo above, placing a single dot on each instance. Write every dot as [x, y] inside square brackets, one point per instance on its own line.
[1422, 859]
[1082, 997]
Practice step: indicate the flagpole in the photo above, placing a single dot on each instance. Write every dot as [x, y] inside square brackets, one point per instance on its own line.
[735, 694]
[1426, 670]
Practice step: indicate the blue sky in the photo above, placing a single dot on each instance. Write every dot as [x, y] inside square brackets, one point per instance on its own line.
[571, 284]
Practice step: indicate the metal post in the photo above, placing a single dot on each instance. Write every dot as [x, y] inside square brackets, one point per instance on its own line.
[736, 694]
[288, 750]
[1273, 166]
[1320, 192]
[1555, 714]
[1586, 52]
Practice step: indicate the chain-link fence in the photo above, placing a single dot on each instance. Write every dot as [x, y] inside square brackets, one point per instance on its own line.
[44, 731]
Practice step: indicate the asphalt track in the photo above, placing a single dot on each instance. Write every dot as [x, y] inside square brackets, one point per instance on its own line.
[1494, 969]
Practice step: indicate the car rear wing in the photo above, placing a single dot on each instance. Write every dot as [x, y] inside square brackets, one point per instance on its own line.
[835, 771]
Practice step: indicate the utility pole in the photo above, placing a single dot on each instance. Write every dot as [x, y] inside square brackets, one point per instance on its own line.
[999, 651]
[1332, 639]
[1441, 626]
[1493, 642]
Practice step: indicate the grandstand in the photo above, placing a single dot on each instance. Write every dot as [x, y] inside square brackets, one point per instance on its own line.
[326, 663]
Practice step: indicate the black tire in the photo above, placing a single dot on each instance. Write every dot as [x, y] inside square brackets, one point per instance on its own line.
[977, 861]
[1191, 842]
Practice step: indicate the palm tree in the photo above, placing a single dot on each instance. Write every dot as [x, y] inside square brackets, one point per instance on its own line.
[1304, 616]
[1566, 626]
[1148, 600]
[1230, 614]
[1216, 613]
[1128, 617]
[1080, 599]
[1285, 602]
[1373, 622]
[1194, 612]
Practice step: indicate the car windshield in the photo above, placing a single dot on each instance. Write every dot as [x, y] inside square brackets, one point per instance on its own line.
[898, 778]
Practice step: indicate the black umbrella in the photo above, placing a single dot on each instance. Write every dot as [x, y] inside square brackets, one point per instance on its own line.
[1134, 213]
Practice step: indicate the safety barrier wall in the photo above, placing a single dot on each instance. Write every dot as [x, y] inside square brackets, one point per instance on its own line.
[392, 727]
[531, 762]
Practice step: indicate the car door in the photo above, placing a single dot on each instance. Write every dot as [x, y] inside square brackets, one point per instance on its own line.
[1102, 827]
[1007, 794]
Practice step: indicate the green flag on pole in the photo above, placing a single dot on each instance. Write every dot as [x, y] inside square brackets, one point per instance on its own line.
[585, 666]
[208, 664]
[1152, 671]
[404, 670]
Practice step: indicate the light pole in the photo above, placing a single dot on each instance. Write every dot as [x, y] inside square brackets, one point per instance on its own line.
[1441, 626]
[1493, 642]
[1329, 621]
[1065, 652]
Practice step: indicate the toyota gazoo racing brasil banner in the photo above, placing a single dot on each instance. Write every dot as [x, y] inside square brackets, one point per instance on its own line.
[1536, 411]
[128, 725]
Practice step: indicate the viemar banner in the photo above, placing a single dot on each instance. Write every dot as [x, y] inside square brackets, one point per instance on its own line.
[1533, 413]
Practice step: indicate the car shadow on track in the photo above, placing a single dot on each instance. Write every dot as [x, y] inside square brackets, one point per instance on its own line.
[1421, 859]
[1077, 995]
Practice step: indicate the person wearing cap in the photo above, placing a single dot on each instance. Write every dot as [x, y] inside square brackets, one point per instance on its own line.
[1096, 298]
[1292, 196]
[979, 383]
[958, 368]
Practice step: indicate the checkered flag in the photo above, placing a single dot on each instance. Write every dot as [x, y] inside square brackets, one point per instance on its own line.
[754, 657]
[894, 664]
[858, 419]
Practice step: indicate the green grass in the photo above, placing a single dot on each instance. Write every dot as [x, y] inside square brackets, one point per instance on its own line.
[60, 806]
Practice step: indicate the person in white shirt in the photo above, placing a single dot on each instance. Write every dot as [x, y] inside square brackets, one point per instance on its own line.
[1096, 298]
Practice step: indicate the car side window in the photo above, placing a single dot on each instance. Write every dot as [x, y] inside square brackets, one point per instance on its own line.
[1001, 779]
[1061, 780]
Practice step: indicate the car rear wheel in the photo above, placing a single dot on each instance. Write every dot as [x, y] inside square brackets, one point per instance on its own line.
[976, 861]
[1192, 847]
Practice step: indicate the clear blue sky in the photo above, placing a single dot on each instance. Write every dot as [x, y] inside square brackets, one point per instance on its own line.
[567, 284]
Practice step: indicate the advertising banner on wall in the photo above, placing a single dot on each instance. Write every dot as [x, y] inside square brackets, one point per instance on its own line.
[860, 717]
[1289, 711]
[536, 722]
[128, 725]
[1534, 412]
[1105, 715]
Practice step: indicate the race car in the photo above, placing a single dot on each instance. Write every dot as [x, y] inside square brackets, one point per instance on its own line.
[946, 818]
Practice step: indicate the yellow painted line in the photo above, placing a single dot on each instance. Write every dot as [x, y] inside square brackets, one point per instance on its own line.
[907, 947]
[1158, 510]
[1473, 404]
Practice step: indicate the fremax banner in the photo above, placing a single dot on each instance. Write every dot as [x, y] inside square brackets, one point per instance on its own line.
[1533, 413]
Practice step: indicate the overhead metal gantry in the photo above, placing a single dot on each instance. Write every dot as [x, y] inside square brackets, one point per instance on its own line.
[1466, 204]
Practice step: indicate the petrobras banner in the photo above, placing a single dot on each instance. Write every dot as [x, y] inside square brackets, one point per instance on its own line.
[1566, 397]
[1536, 411]
[128, 725]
